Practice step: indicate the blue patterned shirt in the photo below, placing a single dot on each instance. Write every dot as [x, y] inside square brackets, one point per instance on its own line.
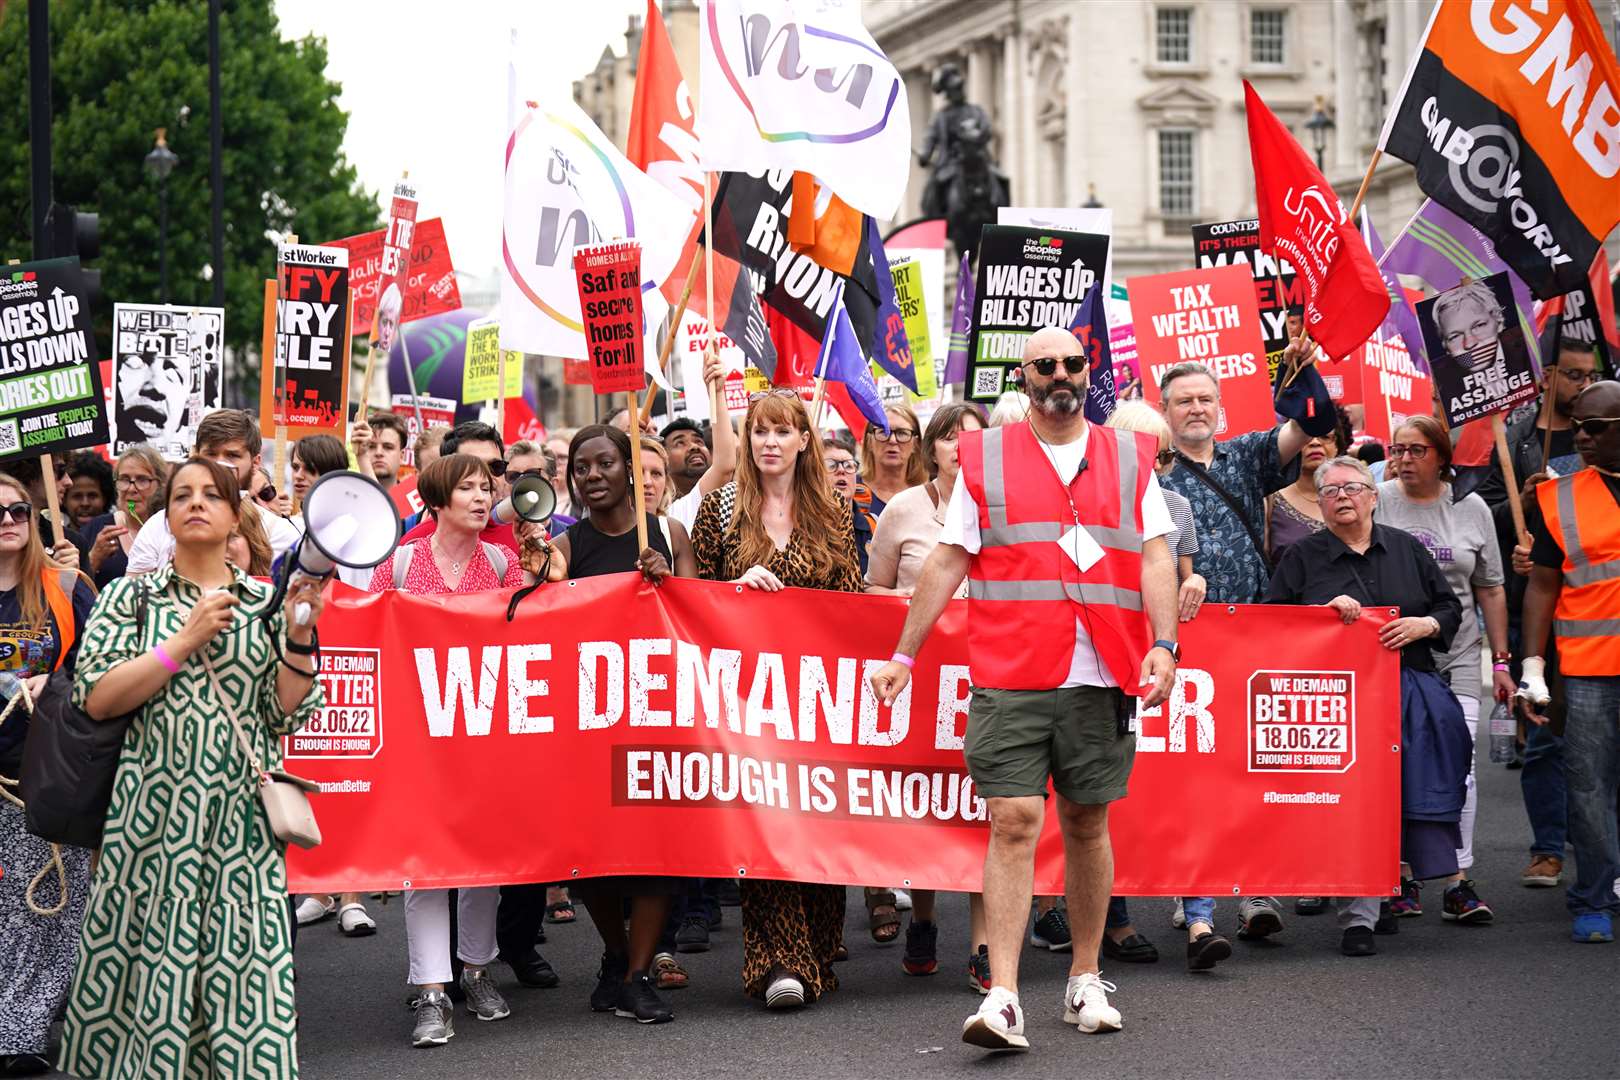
[1249, 467]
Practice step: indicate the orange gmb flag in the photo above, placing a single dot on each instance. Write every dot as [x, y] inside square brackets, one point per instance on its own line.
[663, 143]
[823, 226]
[1510, 113]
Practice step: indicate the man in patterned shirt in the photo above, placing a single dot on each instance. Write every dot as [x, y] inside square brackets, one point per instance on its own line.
[1219, 480]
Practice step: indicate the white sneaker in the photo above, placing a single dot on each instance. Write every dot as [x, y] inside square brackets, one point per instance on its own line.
[1085, 1004]
[999, 1023]
[784, 992]
[311, 910]
[1178, 918]
[354, 921]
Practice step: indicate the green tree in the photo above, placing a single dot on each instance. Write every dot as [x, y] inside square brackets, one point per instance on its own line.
[122, 68]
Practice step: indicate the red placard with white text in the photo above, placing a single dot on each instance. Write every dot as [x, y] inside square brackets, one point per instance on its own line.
[609, 280]
[1209, 316]
[710, 731]
[1392, 387]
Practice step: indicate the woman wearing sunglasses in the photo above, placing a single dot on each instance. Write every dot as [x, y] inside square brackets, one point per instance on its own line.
[1461, 535]
[892, 462]
[43, 608]
[1355, 564]
[138, 476]
[779, 525]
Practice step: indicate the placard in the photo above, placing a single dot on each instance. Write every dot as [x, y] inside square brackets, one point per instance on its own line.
[1392, 388]
[910, 294]
[1480, 362]
[1228, 243]
[312, 339]
[50, 387]
[427, 285]
[1210, 317]
[436, 412]
[609, 280]
[167, 363]
[480, 369]
[1027, 279]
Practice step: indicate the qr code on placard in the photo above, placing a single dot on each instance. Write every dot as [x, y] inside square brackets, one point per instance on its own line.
[9, 442]
[987, 381]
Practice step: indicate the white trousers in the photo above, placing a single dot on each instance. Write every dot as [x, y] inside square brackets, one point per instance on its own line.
[1465, 854]
[427, 930]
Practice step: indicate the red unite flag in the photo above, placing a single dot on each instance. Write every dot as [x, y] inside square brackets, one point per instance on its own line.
[663, 142]
[1302, 220]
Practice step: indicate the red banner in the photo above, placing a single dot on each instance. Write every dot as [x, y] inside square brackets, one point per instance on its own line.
[427, 283]
[609, 280]
[1212, 317]
[702, 729]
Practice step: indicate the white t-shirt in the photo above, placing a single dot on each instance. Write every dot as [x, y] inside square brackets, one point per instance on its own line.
[685, 508]
[154, 544]
[961, 528]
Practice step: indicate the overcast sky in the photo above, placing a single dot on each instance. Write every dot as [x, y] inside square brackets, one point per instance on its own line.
[425, 88]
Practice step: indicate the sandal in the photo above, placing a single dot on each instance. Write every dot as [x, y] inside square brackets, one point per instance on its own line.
[882, 917]
[561, 912]
[668, 973]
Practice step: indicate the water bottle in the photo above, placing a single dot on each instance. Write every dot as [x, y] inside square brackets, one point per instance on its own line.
[9, 685]
[1502, 733]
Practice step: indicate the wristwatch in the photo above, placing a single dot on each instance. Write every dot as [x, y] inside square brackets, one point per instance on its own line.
[1171, 647]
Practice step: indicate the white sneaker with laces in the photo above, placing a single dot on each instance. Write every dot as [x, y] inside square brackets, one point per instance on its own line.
[1085, 1004]
[999, 1023]
[1178, 918]
[785, 991]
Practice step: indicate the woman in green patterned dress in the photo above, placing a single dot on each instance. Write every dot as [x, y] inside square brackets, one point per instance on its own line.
[185, 964]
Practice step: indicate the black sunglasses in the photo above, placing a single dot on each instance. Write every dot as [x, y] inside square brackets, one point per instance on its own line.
[1045, 366]
[266, 493]
[1165, 457]
[18, 512]
[497, 468]
[1595, 426]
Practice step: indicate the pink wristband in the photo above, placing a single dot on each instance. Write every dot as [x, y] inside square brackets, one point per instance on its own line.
[1499, 667]
[902, 658]
[166, 660]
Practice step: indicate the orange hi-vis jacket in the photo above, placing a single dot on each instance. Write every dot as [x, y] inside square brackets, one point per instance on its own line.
[1580, 511]
[1024, 592]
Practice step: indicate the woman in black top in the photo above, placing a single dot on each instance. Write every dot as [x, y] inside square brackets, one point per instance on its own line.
[604, 542]
[1355, 564]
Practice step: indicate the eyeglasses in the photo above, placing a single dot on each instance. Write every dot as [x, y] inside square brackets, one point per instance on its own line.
[841, 466]
[1047, 365]
[21, 513]
[1566, 375]
[776, 391]
[1415, 451]
[1595, 426]
[1165, 457]
[140, 483]
[1352, 489]
[900, 435]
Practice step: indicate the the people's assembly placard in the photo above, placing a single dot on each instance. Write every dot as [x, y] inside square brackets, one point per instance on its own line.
[50, 378]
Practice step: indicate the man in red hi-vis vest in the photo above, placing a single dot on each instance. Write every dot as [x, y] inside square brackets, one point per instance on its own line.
[1059, 528]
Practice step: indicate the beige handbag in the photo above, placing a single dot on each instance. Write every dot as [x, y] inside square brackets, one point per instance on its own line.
[285, 796]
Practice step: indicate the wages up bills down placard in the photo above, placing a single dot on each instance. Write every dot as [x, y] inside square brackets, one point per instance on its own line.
[50, 393]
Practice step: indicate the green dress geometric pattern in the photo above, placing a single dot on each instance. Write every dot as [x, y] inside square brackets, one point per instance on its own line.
[185, 962]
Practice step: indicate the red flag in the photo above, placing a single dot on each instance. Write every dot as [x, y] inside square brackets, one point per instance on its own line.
[1303, 220]
[663, 142]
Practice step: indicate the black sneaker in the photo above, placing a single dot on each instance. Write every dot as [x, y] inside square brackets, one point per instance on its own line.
[979, 970]
[922, 956]
[1461, 904]
[1051, 931]
[1358, 941]
[638, 1001]
[1387, 922]
[728, 893]
[609, 977]
[1310, 905]
[693, 935]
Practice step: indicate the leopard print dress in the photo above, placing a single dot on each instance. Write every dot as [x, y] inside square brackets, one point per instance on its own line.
[793, 924]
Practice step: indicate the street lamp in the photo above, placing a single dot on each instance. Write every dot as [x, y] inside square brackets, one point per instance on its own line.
[1319, 125]
[159, 164]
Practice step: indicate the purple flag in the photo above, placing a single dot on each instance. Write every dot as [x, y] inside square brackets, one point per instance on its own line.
[1090, 326]
[891, 348]
[956, 360]
[841, 360]
[1441, 248]
[1401, 320]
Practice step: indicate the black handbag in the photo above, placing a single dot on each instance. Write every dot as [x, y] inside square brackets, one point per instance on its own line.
[70, 759]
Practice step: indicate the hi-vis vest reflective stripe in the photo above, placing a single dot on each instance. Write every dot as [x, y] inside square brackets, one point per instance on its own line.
[1024, 592]
[1582, 513]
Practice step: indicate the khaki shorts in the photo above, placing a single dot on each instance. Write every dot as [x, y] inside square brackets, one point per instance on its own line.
[1016, 739]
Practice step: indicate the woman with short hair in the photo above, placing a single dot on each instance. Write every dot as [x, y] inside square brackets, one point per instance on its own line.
[138, 478]
[892, 460]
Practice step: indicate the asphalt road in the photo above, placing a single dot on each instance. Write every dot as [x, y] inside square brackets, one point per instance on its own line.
[1513, 999]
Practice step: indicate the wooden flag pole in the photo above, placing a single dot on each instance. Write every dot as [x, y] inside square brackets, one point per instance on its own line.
[47, 469]
[674, 327]
[371, 343]
[635, 473]
[280, 459]
[1505, 456]
[816, 406]
[500, 390]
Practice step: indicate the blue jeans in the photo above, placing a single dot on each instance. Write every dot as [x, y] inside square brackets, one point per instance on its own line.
[1592, 771]
[1545, 793]
[1199, 909]
[1119, 914]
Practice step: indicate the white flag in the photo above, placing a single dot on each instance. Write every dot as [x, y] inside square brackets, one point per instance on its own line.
[566, 186]
[804, 87]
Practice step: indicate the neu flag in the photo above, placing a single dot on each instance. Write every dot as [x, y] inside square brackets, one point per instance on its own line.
[803, 87]
[891, 346]
[842, 361]
[1302, 218]
[956, 359]
[1090, 326]
[1509, 116]
[1441, 249]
